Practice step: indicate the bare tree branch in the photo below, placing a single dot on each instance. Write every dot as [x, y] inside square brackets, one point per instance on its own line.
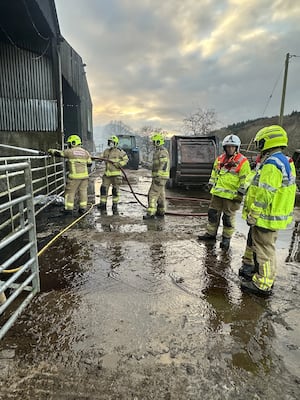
[200, 122]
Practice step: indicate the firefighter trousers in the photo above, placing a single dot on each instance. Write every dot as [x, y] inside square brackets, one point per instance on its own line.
[72, 187]
[157, 196]
[227, 209]
[261, 252]
[107, 181]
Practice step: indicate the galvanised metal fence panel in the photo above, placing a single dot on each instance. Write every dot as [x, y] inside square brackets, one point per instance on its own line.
[48, 179]
[18, 246]
[24, 181]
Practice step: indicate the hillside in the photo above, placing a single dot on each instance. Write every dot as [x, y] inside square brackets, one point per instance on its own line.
[246, 130]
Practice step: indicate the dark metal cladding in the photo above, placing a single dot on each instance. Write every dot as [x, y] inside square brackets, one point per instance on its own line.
[49, 12]
[77, 104]
[43, 87]
[26, 91]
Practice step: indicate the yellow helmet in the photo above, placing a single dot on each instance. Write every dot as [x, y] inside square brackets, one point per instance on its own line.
[113, 139]
[74, 140]
[270, 137]
[158, 139]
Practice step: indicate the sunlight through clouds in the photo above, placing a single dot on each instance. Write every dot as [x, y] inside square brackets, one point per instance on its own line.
[149, 60]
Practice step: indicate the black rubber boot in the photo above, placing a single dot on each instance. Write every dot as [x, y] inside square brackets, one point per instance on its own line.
[247, 271]
[115, 209]
[82, 211]
[67, 212]
[101, 206]
[250, 287]
[225, 244]
[160, 214]
[148, 216]
[207, 237]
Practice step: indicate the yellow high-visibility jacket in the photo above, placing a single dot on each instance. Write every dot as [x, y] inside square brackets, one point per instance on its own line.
[228, 176]
[161, 163]
[78, 160]
[271, 195]
[116, 155]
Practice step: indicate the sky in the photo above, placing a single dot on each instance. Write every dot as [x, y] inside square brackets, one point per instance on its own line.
[154, 62]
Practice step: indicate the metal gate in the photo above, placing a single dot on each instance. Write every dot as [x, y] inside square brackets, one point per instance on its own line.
[18, 245]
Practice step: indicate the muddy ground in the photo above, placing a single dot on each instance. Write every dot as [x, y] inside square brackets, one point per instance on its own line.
[141, 310]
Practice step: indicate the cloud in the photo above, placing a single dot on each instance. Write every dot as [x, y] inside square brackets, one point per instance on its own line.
[152, 61]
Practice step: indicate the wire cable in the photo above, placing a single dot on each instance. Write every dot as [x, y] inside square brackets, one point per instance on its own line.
[32, 22]
[271, 95]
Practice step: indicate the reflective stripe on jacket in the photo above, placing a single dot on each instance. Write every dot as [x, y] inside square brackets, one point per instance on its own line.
[228, 175]
[161, 163]
[117, 156]
[271, 195]
[78, 159]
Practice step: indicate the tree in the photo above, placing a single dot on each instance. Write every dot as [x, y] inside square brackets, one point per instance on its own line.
[201, 122]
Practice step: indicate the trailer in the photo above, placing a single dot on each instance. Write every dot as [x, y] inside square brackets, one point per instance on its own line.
[191, 159]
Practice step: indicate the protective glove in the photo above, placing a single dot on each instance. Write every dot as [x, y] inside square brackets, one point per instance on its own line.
[238, 198]
[251, 221]
[42, 153]
[156, 180]
[54, 152]
[117, 165]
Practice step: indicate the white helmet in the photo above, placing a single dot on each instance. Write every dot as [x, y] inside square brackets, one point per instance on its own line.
[232, 140]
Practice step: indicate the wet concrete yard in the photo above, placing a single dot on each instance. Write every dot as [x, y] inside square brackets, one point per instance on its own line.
[131, 309]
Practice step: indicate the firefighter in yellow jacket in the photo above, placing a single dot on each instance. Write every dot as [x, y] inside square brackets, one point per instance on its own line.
[227, 183]
[160, 175]
[78, 161]
[268, 207]
[116, 158]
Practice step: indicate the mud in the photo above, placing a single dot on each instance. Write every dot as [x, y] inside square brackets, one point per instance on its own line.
[131, 309]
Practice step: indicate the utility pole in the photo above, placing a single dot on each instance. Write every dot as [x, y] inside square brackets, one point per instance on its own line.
[280, 122]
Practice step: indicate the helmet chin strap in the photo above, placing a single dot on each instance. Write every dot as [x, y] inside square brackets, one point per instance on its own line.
[228, 154]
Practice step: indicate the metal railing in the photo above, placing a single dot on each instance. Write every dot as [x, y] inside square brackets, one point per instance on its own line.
[24, 181]
[48, 179]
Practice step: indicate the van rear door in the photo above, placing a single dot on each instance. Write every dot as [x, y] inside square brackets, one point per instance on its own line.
[196, 156]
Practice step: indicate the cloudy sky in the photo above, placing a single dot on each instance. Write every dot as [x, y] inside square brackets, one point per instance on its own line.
[153, 62]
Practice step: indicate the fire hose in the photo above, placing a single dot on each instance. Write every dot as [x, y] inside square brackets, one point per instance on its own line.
[174, 198]
[38, 152]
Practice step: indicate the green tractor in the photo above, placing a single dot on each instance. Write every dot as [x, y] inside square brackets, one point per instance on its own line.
[128, 144]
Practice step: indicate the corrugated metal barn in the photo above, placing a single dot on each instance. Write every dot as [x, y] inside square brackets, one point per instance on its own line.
[44, 95]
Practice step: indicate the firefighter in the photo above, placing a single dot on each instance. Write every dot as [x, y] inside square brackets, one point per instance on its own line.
[268, 207]
[78, 161]
[227, 182]
[116, 158]
[160, 175]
